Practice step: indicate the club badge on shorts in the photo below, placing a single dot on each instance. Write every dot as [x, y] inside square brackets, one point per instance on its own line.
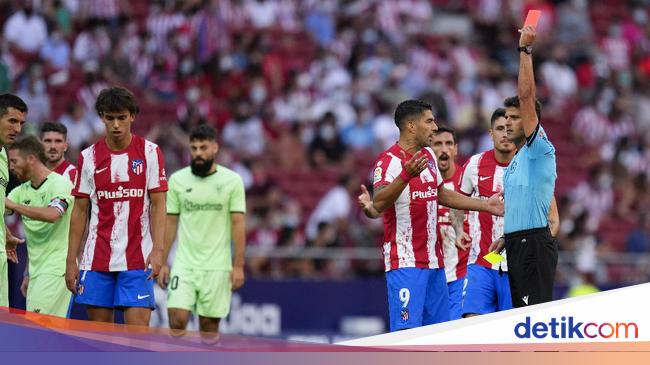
[405, 314]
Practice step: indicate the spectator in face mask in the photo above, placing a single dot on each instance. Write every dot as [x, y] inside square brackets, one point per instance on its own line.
[327, 146]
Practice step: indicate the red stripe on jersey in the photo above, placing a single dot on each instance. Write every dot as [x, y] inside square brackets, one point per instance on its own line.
[419, 220]
[134, 257]
[390, 231]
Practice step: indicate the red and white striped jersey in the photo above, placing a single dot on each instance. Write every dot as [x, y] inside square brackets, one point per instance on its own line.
[482, 178]
[118, 184]
[68, 170]
[455, 259]
[410, 234]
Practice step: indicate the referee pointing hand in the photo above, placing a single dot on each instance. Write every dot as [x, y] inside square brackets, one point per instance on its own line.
[528, 183]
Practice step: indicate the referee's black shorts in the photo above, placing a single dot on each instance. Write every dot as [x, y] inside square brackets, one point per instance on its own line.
[532, 260]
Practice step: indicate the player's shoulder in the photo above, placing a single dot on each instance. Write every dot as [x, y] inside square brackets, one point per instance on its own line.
[55, 178]
[181, 174]
[386, 156]
[228, 174]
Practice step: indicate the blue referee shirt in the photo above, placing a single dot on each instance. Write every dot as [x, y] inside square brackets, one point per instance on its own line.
[528, 184]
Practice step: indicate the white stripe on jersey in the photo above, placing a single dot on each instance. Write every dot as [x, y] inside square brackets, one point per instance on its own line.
[119, 236]
[87, 186]
[120, 168]
[432, 234]
[387, 254]
[153, 167]
[146, 245]
[404, 231]
[91, 240]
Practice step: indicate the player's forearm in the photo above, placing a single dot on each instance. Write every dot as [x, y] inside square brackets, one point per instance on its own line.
[170, 234]
[78, 220]
[371, 212]
[386, 196]
[43, 214]
[455, 200]
[457, 219]
[158, 218]
[239, 239]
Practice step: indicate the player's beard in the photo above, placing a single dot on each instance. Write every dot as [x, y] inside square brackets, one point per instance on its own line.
[202, 169]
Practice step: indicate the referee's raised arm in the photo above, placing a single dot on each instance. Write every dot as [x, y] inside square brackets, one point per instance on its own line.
[526, 81]
[529, 182]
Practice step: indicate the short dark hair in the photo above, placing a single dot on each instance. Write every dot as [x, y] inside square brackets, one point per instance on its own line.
[30, 145]
[54, 127]
[203, 132]
[513, 102]
[11, 101]
[498, 113]
[116, 99]
[447, 129]
[409, 108]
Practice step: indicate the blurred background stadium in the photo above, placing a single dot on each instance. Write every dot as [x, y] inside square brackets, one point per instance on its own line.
[302, 94]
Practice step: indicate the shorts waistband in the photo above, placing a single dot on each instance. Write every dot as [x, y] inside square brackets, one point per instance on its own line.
[526, 232]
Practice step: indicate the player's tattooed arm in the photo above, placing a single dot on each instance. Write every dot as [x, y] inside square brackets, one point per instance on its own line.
[387, 195]
[457, 219]
[554, 218]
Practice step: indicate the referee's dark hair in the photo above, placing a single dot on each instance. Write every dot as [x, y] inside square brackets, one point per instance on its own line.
[499, 113]
[11, 101]
[203, 132]
[408, 109]
[513, 102]
[30, 145]
[447, 129]
[54, 127]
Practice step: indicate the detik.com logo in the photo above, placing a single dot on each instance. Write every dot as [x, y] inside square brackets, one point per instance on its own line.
[569, 327]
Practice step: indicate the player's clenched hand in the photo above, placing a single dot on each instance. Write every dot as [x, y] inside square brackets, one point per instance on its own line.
[365, 202]
[464, 241]
[416, 164]
[155, 262]
[24, 285]
[71, 275]
[497, 246]
[495, 204]
[237, 277]
[528, 35]
[163, 277]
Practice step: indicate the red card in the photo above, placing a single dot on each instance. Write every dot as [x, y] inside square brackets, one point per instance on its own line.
[532, 18]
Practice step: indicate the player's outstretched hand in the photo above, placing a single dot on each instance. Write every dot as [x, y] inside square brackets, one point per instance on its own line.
[498, 245]
[237, 277]
[155, 262]
[71, 275]
[464, 241]
[416, 164]
[24, 285]
[365, 203]
[528, 35]
[163, 277]
[495, 204]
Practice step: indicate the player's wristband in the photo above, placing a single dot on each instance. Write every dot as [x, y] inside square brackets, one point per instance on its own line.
[405, 176]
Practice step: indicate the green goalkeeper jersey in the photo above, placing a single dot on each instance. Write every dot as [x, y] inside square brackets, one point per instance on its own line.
[204, 206]
[47, 243]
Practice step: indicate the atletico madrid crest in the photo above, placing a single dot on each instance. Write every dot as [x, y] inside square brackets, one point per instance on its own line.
[137, 166]
[405, 314]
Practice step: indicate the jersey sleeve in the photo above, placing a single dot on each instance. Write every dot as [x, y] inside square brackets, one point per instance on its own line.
[156, 179]
[73, 175]
[538, 143]
[238, 197]
[60, 196]
[470, 170]
[173, 200]
[386, 170]
[84, 183]
[15, 195]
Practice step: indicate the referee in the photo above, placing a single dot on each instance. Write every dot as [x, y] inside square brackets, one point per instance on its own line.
[529, 181]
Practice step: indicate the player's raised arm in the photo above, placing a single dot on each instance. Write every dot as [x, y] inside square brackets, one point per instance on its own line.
[526, 81]
[385, 196]
[456, 200]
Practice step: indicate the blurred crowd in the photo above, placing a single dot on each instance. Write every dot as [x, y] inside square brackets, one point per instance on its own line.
[302, 93]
